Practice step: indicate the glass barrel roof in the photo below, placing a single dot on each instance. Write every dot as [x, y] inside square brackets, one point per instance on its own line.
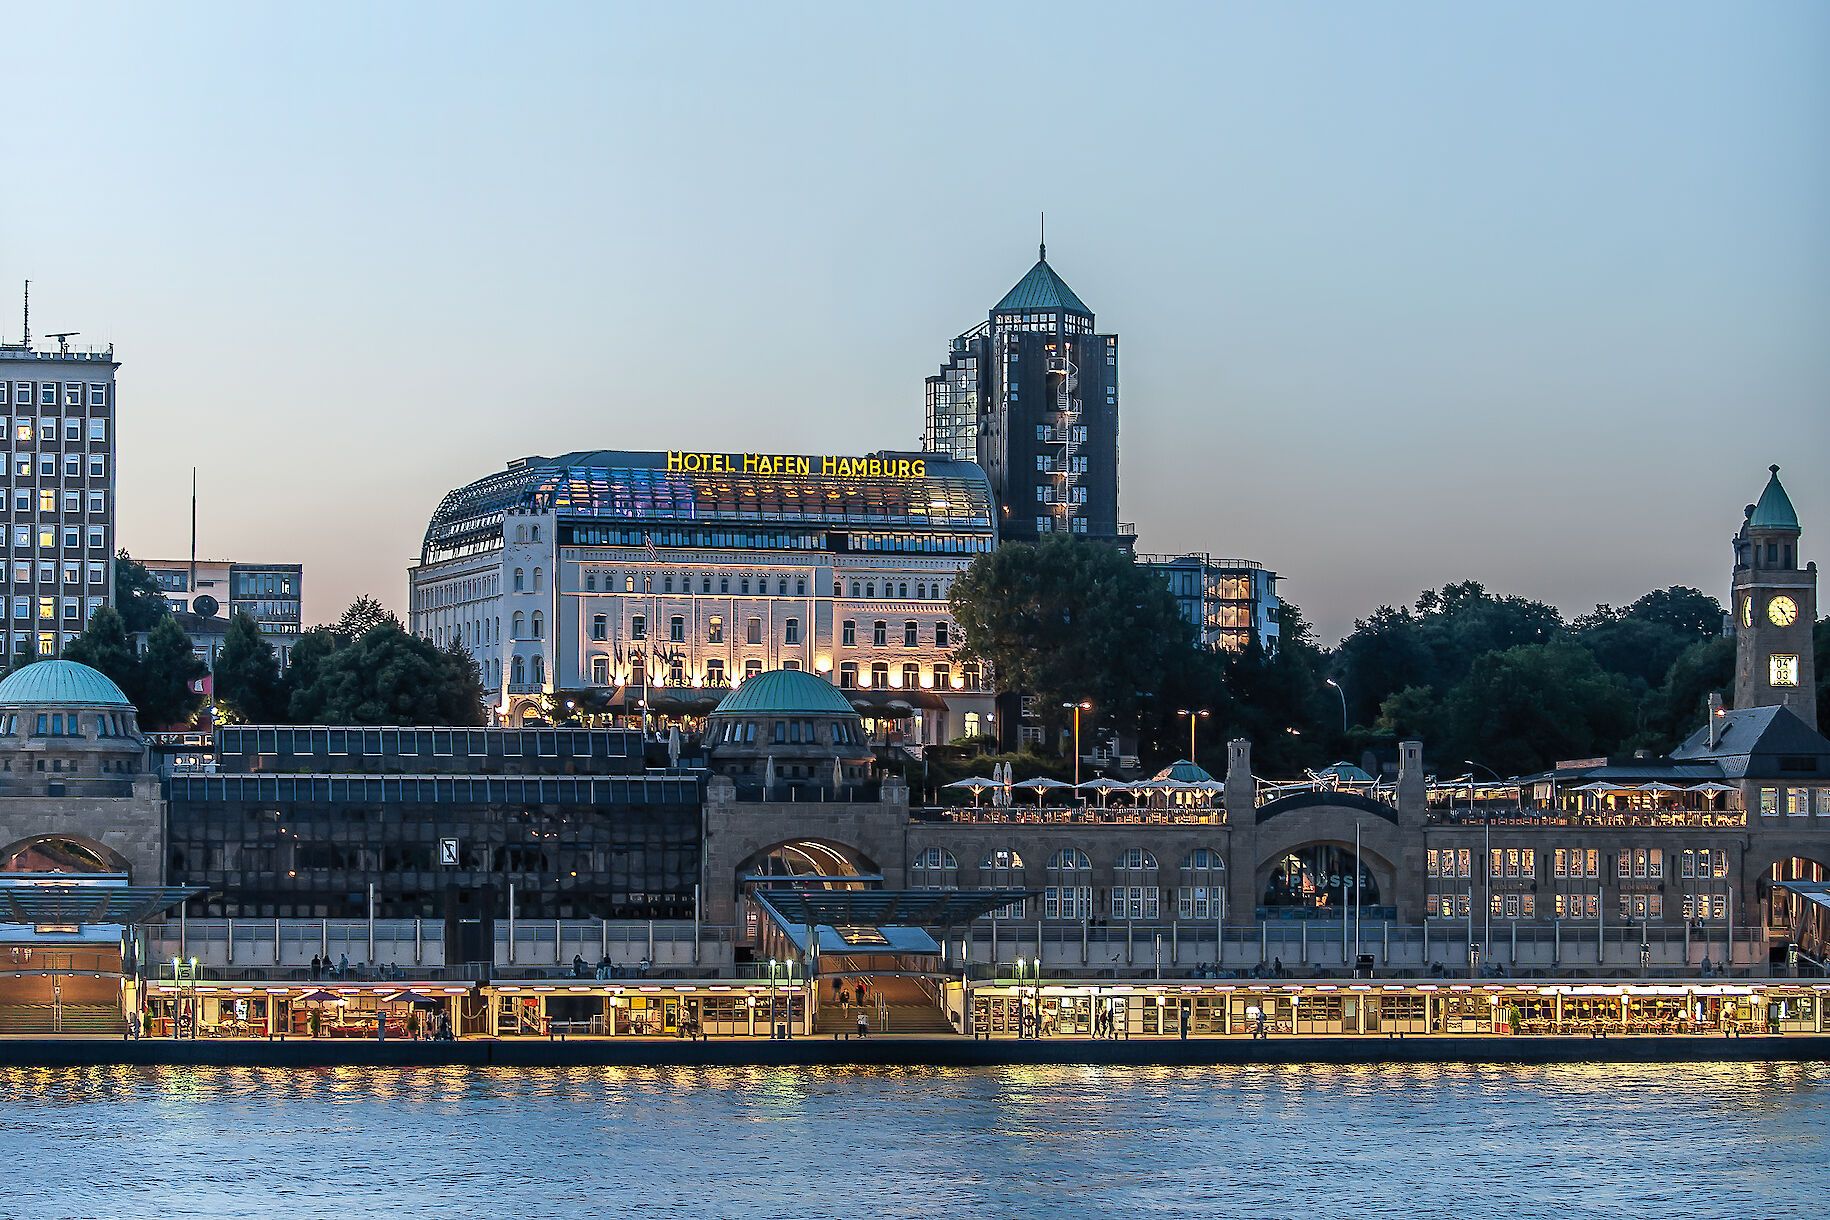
[609, 485]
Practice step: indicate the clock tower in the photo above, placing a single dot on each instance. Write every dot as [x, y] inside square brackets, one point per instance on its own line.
[1775, 609]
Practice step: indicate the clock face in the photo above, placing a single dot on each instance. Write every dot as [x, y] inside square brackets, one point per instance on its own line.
[1747, 612]
[1783, 611]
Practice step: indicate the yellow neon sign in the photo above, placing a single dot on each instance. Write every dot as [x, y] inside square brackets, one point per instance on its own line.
[773, 463]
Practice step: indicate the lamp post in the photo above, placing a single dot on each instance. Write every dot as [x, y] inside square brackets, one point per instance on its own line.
[1077, 708]
[1343, 695]
[1193, 714]
[1487, 866]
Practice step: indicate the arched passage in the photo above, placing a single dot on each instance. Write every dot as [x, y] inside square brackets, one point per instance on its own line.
[62, 853]
[1318, 878]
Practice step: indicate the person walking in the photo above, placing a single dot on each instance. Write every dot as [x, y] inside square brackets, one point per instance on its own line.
[316, 968]
[864, 1025]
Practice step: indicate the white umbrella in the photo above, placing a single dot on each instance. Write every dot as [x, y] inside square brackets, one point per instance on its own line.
[1103, 787]
[978, 786]
[1713, 786]
[1597, 786]
[1659, 786]
[1041, 786]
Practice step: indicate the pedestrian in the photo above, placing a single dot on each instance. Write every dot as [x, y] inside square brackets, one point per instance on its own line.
[838, 992]
[342, 965]
[1184, 1016]
[317, 968]
[864, 1025]
[1277, 967]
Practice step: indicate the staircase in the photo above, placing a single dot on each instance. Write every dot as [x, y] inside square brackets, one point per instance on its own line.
[833, 1020]
[43, 1019]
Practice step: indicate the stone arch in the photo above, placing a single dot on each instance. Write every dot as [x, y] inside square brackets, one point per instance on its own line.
[808, 856]
[1331, 824]
[62, 853]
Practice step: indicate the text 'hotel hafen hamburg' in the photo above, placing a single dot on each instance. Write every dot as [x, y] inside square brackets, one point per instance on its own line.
[618, 581]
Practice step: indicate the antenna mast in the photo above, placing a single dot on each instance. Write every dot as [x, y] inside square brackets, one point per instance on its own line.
[193, 587]
[28, 315]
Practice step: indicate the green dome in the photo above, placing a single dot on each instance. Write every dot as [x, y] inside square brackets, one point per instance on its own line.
[1184, 772]
[1775, 511]
[60, 682]
[784, 691]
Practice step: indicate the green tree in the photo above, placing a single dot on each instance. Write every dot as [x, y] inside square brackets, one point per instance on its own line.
[310, 656]
[248, 681]
[137, 595]
[1638, 649]
[364, 614]
[1674, 709]
[386, 676]
[167, 669]
[1523, 709]
[1683, 609]
[104, 645]
[1069, 620]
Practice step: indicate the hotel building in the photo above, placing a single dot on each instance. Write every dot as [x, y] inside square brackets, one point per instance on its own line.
[621, 582]
[59, 449]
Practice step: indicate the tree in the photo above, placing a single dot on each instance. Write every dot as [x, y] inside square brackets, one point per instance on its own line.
[248, 681]
[386, 676]
[137, 595]
[1523, 709]
[104, 645]
[1673, 710]
[364, 614]
[1688, 611]
[1068, 620]
[1638, 649]
[310, 656]
[168, 668]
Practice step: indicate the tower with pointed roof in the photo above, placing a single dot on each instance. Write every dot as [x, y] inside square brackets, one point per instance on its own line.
[1775, 609]
[1031, 395]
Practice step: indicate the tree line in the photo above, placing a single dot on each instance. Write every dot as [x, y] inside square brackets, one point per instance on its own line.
[1501, 680]
[365, 668]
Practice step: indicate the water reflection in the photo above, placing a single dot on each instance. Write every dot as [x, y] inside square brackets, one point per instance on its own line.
[1023, 1140]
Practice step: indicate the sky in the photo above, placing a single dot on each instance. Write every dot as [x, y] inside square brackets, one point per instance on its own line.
[1407, 293]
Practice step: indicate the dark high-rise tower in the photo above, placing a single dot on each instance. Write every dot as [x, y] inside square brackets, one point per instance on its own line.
[1031, 394]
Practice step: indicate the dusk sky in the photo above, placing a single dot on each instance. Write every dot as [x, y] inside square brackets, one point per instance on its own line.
[1407, 293]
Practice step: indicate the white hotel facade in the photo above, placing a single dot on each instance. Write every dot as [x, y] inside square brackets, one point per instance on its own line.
[622, 580]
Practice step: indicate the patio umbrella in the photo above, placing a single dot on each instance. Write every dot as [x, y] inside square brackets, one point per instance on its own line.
[1713, 786]
[1041, 785]
[415, 999]
[1104, 787]
[978, 786]
[317, 997]
[1659, 786]
[1597, 786]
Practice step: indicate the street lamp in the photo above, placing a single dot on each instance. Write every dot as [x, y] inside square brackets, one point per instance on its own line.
[1077, 708]
[1193, 714]
[1487, 867]
[1343, 695]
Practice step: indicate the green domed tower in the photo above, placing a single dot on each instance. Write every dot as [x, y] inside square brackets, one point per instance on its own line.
[1775, 609]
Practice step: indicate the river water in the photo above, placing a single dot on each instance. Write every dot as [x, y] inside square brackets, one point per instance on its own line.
[1703, 1140]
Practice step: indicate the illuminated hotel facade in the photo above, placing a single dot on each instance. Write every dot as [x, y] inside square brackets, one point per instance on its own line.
[630, 581]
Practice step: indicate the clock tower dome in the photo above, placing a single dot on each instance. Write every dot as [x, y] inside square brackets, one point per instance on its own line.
[1774, 609]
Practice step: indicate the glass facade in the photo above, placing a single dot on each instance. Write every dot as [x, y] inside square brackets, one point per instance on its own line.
[301, 822]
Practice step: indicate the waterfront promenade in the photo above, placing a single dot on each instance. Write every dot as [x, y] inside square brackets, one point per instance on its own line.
[912, 1051]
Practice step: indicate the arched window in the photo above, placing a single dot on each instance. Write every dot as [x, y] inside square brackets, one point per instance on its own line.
[1134, 890]
[1201, 891]
[1069, 893]
[848, 675]
[934, 869]
[537, 580]
[880, 674]
[518, 624]
[880, 633]
[539, 671]
[590, 582]
[536, 533]
[539, 625]
[517, 671]
[911, 676]
[1002, 869]
[520, 580]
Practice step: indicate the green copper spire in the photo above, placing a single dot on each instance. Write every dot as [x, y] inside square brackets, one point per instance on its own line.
[1774, 511]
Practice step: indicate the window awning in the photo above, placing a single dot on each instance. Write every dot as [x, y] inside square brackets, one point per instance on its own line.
[880, 908]
[49, 903]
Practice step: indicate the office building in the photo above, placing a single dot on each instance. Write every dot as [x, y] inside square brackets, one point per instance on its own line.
[59, 448]
[212, 590]
[1031, 394]
[1233, 603]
